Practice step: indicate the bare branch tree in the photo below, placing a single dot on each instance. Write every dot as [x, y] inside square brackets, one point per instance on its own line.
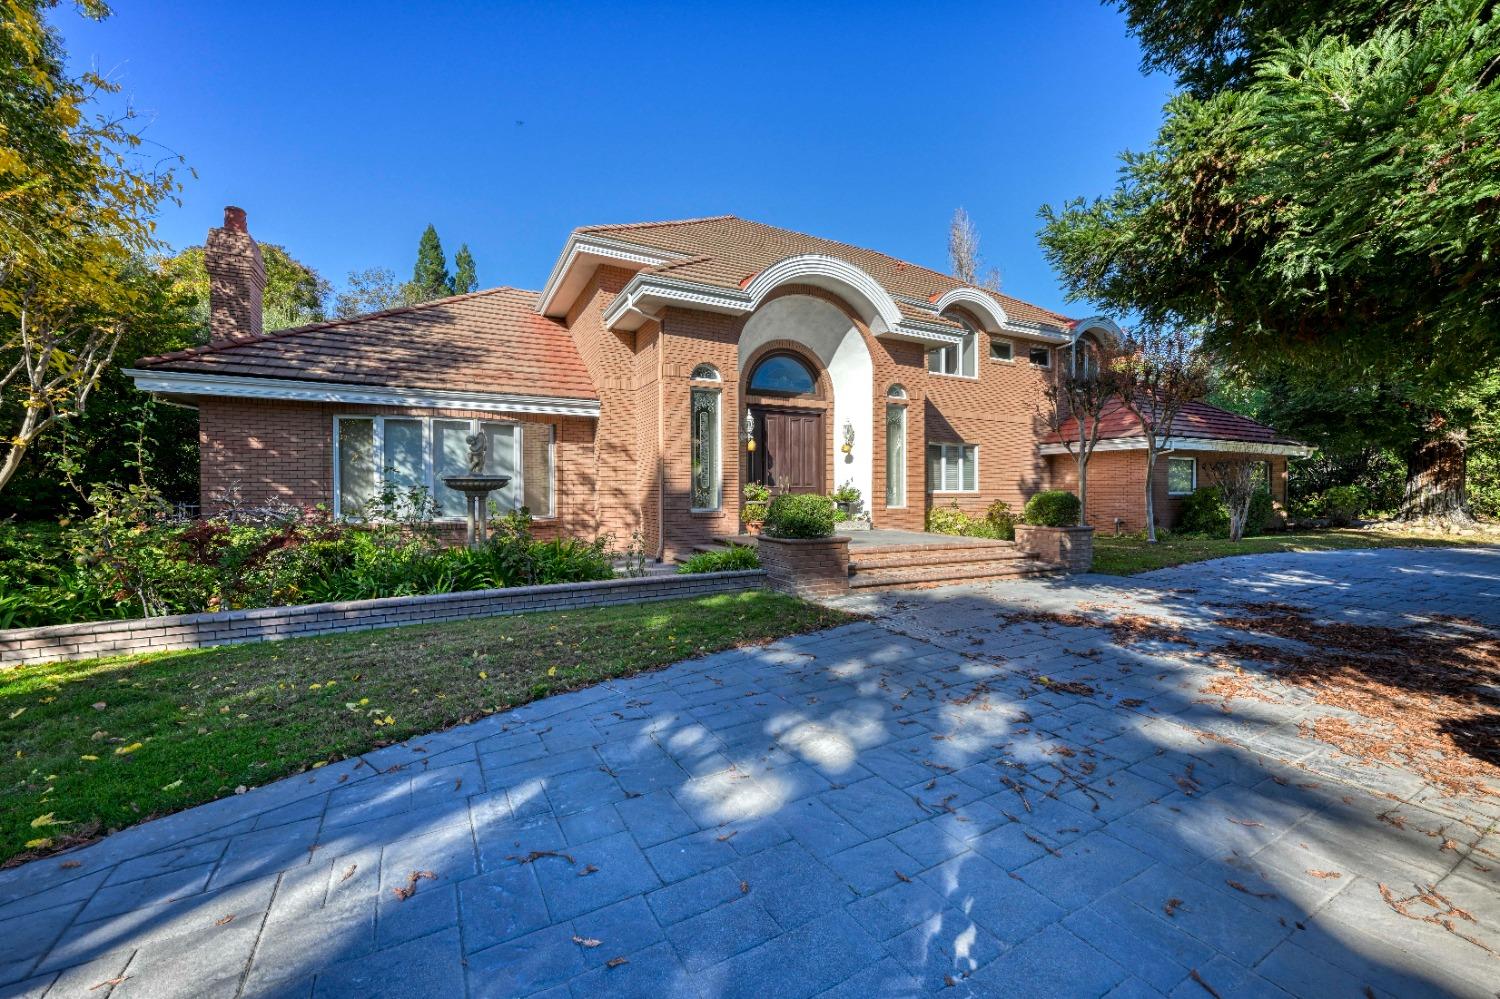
[1161, 372]
[58, 362]
[963, 253]
[1234, 478]
[1074, 403]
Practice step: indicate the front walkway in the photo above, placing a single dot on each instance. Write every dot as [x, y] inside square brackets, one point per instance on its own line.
[959, 798]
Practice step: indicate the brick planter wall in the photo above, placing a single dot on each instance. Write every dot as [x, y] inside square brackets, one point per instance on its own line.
[21, 646]
[817, 567]
[1072, 548]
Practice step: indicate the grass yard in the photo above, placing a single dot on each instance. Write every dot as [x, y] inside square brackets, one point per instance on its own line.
[1128, 554]
[90, 747]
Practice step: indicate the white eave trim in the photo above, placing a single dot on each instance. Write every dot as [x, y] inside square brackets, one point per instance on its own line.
[243, 387]
[993, 318]
[593, 249]
[1190, 444]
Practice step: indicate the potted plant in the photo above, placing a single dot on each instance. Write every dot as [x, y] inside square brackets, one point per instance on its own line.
[847, 497]
[753, 510]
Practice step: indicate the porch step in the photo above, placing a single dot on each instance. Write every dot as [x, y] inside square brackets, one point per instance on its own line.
[950, 574]
[872, 558]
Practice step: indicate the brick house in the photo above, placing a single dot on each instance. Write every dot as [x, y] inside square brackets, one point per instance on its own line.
[624, 396]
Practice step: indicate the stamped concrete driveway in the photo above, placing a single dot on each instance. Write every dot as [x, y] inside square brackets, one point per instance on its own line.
[960, 796]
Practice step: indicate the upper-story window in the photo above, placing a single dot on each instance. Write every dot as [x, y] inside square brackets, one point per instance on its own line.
[960, 359]
[1040, 357]
[783, 374]
[1085, 356]
[1001, 349]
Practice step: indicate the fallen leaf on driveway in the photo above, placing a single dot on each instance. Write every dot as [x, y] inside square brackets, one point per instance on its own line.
[1325, 874]
[108, 981]
[744, 887]
[536, 855]
[589, 869]
[224, 920]
[411, 884]
[586, 941]
[1173, 904]
[1206, 987]
[615, 962]
[1245, 822]
[902, 877]
[1237, 886]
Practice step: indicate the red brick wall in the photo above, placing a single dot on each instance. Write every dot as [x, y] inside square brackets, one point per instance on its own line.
[283, 451]
[1117, 481]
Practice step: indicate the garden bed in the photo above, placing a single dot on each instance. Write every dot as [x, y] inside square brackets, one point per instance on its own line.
[86, 748]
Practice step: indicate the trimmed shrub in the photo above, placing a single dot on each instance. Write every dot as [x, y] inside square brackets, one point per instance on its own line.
[731, 559]
[1342, 505]
[947, 520]
[1204, 512]
[1052, 508]
[800, 515]
[1002, 520]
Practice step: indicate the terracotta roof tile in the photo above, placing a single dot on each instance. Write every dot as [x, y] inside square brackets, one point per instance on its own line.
[487, 341]
[726, 250]
[1197, 419]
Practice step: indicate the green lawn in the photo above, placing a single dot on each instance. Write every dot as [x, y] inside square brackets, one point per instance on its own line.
[1127, 554]
[89, 747]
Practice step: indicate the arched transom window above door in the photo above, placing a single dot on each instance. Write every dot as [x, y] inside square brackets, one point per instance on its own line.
[783, 374]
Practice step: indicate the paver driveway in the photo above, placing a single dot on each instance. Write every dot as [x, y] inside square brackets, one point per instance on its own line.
[918, 803]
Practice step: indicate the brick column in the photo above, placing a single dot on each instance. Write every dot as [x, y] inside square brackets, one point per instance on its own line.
[806, 567]
[1070, 548]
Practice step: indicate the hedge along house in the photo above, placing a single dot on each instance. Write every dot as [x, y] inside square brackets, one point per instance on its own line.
[624, 396]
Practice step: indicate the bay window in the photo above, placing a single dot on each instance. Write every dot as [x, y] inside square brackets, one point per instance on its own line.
[952, 468]
[403, 459]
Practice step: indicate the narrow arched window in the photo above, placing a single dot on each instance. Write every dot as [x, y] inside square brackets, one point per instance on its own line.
[783, 374]
[896, 392]
[705, 373]
[707, 461]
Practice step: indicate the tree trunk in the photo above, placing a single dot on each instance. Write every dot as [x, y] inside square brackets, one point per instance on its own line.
[1150, 497]
[1083, 490]
[1437, 477]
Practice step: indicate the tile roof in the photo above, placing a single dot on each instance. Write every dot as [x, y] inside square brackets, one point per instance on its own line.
[1197, 419]
[487, 341]
[727, 251]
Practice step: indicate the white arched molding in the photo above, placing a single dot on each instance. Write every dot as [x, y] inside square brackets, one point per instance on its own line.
[874, 305]
[981, 303]
[1100, 325]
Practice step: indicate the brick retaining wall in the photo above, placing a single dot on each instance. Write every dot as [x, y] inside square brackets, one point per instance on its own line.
[1070, 548]
[90, 640]
[806, 567]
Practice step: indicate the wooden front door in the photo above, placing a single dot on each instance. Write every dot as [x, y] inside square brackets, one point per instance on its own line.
[788, 453]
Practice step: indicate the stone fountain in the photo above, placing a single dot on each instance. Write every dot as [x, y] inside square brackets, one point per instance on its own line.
[476, 486]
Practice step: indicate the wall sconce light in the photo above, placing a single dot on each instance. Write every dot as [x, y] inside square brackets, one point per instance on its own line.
[747, 431]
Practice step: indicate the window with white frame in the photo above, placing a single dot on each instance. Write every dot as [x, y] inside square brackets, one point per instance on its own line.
[1182, 476]
[952, 468]
[1040, 357]
[895, 449]
[404, 459]
[708, 477]
[1001, 350]
[960, 359]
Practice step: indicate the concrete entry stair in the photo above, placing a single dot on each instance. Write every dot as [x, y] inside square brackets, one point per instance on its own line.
[909, 560]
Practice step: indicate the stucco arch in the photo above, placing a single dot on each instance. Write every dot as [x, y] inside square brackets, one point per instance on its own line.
[864, 294]
[984, 307]
[1103, 327]
[823, 330]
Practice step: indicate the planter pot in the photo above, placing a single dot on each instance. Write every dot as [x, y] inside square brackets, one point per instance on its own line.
[1068, 548]
[753, 526]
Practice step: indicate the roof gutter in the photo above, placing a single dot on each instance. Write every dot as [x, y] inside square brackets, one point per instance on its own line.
[181, 383]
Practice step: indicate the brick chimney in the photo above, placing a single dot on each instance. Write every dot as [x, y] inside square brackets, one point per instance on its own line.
[236, 279]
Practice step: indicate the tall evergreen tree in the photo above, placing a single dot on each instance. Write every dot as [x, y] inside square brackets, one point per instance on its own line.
[430, 278]
[464, 278]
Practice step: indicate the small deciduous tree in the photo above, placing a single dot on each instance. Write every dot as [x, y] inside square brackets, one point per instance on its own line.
[1075, 401]
[1234, 478]
[76, 215]
[1160, 371]
[373, 289]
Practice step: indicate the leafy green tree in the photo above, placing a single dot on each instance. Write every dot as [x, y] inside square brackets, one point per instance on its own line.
[77, 204]
[430, 278]
[465, 279]
[295, 293]
[1326, 204]
[373, 289]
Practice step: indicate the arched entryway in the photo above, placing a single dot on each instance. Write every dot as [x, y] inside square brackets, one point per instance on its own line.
[807, 384]
[788, 417]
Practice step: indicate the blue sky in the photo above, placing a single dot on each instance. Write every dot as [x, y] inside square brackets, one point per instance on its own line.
[343, 129]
